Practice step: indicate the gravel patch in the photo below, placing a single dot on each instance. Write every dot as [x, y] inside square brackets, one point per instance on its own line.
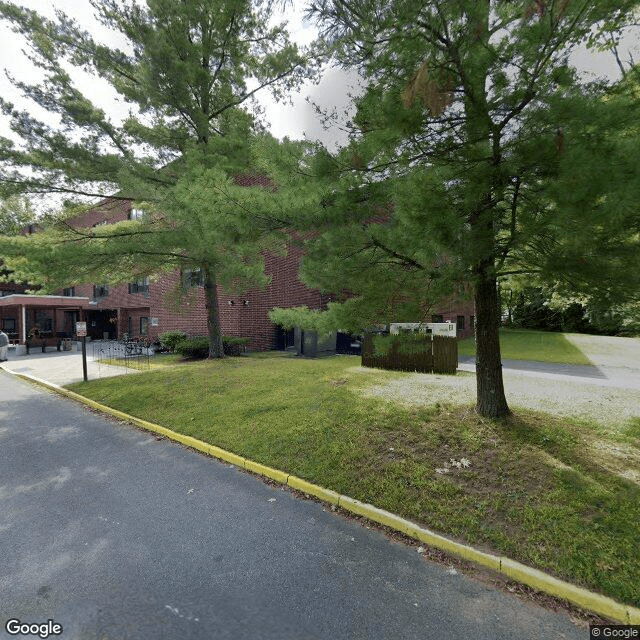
[612, 407]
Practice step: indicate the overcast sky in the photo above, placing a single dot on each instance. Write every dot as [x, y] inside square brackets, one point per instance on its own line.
[296, 121]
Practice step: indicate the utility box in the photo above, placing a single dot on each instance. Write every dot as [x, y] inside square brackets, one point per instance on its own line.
[309, 345]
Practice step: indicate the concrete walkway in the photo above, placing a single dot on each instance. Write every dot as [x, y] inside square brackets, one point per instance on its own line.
[62, 367]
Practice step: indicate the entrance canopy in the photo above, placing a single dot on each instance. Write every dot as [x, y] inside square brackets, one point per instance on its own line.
[48, 316]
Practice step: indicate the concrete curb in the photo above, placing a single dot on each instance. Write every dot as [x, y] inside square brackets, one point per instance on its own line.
[596, 603]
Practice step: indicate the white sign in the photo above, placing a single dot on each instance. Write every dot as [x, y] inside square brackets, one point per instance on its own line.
[437, 328]
[81, 329]
[154, 322]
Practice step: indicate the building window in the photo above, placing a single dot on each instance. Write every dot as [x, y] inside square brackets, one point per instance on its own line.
[136, 213]
[70, 292]
[460, 324]
[192, 278]
[9, 325]
[144, 326]
[436, 317]
[100, 291]
[140, 286]
[44, 322]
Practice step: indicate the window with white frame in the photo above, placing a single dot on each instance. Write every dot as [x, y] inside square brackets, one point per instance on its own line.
[136, 213]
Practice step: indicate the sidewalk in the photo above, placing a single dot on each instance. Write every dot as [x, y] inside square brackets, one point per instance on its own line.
[61, 367]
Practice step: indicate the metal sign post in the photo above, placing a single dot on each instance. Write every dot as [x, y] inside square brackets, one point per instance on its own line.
[81, 332]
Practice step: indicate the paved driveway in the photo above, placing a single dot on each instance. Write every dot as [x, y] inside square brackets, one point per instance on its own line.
[117, 535]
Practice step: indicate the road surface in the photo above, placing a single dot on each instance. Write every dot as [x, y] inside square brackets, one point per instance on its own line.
[114, 534]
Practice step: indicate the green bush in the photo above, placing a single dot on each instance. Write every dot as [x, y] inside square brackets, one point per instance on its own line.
[405, 343]
[171, 339]
[233, 344]
[198, 346]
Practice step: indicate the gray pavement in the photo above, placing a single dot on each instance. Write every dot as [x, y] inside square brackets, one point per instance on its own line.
[63, 367]
[622, 377]
[115, 534]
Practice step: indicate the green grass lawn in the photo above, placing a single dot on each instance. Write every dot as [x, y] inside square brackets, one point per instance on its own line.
[523, 344]
[531, 490]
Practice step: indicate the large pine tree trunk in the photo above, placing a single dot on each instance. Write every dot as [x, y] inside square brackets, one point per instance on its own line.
[216, 349]
[491, 401]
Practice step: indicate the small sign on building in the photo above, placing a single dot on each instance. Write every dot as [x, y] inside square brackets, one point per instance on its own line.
[154, 322]
[81, 329]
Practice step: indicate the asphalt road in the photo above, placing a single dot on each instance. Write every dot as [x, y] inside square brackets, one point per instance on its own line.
[114, 534]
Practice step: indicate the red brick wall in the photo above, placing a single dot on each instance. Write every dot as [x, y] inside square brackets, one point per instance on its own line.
[109, 210]
[240, 315]
[453, 307]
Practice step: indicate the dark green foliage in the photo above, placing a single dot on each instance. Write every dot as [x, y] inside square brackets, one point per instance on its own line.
[234, 345]
[477, 152]
[574, 319]
[170, 339]
[197, 347]
[535, 308]
[188, 72]
[532, 311]
[406, 343]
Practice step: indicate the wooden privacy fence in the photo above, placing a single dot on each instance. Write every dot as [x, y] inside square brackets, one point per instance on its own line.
[438, 354]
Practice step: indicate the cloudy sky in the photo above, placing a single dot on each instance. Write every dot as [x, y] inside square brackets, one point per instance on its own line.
[296, 120]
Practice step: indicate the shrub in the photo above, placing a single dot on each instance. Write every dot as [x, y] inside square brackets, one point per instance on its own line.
[405, 343]
[196, 347]
[233, 344]
[171, 339]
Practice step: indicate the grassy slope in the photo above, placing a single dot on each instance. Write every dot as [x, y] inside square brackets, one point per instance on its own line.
[532, 491]
[520, 344]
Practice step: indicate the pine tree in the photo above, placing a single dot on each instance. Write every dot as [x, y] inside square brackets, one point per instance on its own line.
[189, 71]
[476, 152]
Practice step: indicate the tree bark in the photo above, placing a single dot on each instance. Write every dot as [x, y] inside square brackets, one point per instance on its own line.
[216, 349]
[491, 401]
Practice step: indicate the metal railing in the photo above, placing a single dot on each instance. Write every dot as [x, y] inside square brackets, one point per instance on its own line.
[128, 353]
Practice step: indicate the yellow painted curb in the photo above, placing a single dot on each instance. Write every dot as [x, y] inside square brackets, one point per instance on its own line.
[314, 490]
[227, 456]
[538, 580]
[269, 472]
[192, 442]
[602, 605]
[456, 548]
[373, 513]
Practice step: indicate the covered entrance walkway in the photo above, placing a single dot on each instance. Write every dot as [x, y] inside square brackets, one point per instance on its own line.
[41, 319]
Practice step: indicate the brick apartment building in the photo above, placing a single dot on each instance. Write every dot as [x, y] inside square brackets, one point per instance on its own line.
[148, 307]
